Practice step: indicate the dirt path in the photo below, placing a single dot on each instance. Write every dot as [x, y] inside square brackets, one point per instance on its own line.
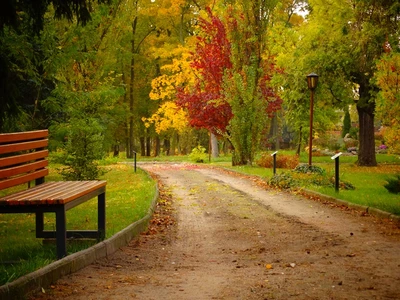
[218, 236]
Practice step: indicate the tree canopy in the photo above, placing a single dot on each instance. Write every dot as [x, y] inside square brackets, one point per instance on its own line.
[140, 71]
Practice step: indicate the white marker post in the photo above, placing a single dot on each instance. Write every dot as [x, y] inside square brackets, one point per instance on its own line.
[336, 158]
[274, 157]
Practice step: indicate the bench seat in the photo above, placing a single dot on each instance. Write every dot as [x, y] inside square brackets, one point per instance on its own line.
[51, 193]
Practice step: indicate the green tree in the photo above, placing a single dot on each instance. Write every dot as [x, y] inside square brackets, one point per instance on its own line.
[346, 38]
[247, 87]
[87, 93]
[23, 54]
[346, 122]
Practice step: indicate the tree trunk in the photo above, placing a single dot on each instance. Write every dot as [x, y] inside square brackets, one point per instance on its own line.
[142, 146]
[116, 151]
[366, 150]
[366, 109]
[148, 146]
[127, 150]
[300, 141]
[131, 91]
[157, 146]
[167, 146]
[214, 146]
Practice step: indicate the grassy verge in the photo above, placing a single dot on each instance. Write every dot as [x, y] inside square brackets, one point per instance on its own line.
[368, 181]
[369, 186]
[129, 196]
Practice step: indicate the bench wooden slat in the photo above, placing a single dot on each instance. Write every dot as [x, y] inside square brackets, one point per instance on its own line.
[86, 188]
[26, 168]
[18, 159]
[60, 192]
[23, 146]
[49, 191]
[23, 136]
[35, 192]
[23, 179]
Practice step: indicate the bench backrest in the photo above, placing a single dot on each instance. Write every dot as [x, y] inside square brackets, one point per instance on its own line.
[23, 157]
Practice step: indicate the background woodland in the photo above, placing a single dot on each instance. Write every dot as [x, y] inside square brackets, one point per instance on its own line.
[161, 77]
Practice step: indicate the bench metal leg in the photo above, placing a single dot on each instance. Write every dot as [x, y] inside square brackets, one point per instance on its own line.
[61, 232]
[101, 216]
[39, 224]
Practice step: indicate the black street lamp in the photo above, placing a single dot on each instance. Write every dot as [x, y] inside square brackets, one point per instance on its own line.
[312, 81]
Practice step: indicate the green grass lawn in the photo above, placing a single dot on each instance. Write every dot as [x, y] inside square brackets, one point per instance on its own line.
[369, 186]
[128, 198]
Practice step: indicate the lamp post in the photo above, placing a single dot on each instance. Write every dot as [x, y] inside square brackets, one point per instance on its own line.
[312, 81]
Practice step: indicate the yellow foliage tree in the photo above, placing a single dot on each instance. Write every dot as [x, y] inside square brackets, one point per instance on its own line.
[167, 117]
[176, 74]
[388, 102]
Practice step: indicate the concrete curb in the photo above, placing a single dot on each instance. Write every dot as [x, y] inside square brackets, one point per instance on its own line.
[362, 208]
[44, 277]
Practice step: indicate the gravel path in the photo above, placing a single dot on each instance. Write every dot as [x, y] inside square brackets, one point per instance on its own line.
[216, 235]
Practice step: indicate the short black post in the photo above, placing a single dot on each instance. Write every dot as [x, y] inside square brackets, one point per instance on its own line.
[336, 158]
[134, 153]
[274, 158]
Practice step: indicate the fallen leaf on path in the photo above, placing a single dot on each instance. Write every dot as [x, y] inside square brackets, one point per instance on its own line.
[268, 266]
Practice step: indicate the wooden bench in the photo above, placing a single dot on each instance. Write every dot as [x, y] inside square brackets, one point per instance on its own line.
[23, 159]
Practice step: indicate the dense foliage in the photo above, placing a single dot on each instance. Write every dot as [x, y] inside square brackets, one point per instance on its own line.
[235, 69]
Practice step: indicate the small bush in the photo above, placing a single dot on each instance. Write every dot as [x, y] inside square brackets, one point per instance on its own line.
[329, 141]
[282, 181]
[354, 133]
[319, 178]
[198, 154]
[304, 168]
[344, 185]
[282, 161]
[349, 143]
[393, 185]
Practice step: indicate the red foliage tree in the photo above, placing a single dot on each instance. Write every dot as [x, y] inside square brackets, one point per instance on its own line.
[205, 103]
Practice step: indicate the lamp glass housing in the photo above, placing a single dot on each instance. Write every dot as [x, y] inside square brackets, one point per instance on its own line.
[312, 81]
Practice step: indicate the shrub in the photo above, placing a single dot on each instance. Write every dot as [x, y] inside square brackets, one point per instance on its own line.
[346, 123]
[350, 143]
[198, 154]
[319, 178]
[354, 133]
[344, 185]
[282, 161]
[282, 181]
[393, 184]
[304, 168]
[329, 141]
[83, 148]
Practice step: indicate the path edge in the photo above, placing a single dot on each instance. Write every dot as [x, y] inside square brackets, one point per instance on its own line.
[380, 214]
[44, 277]
[377, 213]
